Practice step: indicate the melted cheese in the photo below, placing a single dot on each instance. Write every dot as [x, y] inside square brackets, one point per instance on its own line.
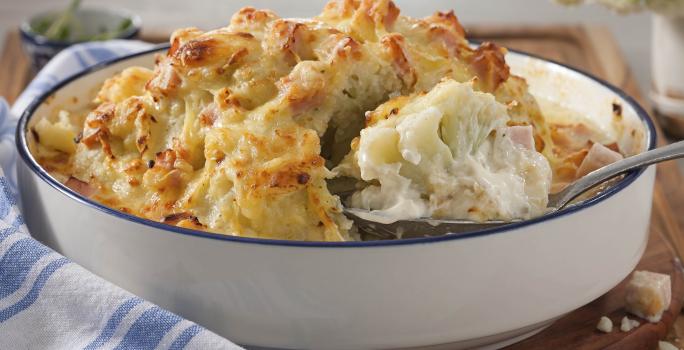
[235, 129]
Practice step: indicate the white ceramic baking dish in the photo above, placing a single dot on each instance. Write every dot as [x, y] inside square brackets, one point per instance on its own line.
[485, 289]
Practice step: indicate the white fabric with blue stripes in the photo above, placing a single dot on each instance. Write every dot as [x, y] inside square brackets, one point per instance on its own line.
[47, 301]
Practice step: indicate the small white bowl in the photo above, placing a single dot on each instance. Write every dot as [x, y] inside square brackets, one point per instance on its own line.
[93, 21]
[486, 289]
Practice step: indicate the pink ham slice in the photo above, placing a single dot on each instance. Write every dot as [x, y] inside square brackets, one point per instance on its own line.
[522, 135]
[79, 186]
[598, 157]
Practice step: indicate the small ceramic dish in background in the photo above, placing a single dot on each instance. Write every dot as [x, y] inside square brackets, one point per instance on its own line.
[667, 88]
[84, 24]
[670, 113]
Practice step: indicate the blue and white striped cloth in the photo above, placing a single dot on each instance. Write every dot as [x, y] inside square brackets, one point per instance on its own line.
[47, 301]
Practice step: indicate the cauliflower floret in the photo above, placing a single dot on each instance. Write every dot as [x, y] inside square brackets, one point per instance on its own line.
[448, 154]
[59, 135]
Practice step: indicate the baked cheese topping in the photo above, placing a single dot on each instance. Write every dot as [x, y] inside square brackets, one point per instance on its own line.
[235, 130]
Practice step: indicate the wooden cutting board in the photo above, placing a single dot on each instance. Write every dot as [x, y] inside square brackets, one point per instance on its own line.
[593, 50]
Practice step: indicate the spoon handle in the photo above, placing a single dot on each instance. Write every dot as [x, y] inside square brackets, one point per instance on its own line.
[599, 176]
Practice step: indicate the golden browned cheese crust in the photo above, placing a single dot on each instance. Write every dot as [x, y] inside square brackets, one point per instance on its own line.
[235, 129]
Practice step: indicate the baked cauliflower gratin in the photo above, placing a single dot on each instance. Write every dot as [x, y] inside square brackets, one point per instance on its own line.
[239, 130]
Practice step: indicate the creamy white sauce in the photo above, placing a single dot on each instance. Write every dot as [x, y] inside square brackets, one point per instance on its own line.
[447, 155]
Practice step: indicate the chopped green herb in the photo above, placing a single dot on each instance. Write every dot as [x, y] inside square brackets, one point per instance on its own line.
[64, 26]
[59, 29]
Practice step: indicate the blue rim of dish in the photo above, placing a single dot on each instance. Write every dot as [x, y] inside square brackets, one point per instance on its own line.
[22, 146]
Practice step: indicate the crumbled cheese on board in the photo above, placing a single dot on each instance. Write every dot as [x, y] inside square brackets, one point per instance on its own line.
[648, 295]
[605, 325]
[628, 324]
[663, 345]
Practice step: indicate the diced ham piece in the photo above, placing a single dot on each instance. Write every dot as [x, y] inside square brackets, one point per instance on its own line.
[522, 135]
[598, 157]
[79, 186]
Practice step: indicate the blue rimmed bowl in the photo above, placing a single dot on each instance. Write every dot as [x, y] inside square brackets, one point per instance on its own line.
[489, 288]
[92, 22]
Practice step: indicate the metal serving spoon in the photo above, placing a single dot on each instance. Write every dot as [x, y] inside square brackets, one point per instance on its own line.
[386, 228]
